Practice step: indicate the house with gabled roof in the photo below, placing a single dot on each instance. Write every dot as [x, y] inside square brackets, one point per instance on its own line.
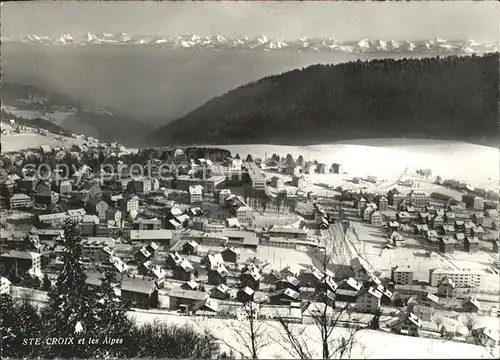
[459, 226]
[449, 217]
[183, 271]
[230, 254]
[245, 294]
[310, 277]
[477, 218]
[436, 221]
[212, 261]
[460, 237]
[179, 297]
[142, 255]
[288, 282]
[313, 310]
[478, 232]
[446, 288]
[408, 324]
[368, 300]
[429, 300]
[190, 285]
[447, 244]
[172, 260]
[420, 229]
[284, 296]
[424, 313]
[218, 275]
[327, 284]
[154, 271]
[291, 270]
[190, 248]
[118, 265]
[485, 336]
[492, 213]
[20, 200]
[469, 225]
[471, 244]
[431, 236]
[220, 292]
[272, 277]
[251, 277]
[140, 293]
[470, 305]
[206, 307]
[361, 269]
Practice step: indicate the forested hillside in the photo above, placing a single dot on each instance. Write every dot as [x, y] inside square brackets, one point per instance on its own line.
[441, 98]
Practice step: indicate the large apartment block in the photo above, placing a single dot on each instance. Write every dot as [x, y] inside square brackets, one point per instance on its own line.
[461, 278]
[402, 275]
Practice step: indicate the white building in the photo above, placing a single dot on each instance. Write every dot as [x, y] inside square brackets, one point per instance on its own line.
[19, 201]
[142, 185]
[369, 301]
[54, 220]
[244, 215]
[367, 212]
[234, 164]
[131, 206]
[298, 181]
[461, 278]
[402, 275]
[196, 193]
[4, 286]
[419, 199]
[257, 178]
[155, 184]
[223, 195]
[277, 182]
[376, 218]
[76, 214]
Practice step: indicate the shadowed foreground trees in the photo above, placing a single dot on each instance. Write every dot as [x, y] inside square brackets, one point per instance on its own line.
[75, 311]
[452, 98]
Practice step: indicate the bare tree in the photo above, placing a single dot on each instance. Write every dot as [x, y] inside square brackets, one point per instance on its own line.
[293, 338]
[250, 332]
[470, 322]
[326, 319]
[439, 324]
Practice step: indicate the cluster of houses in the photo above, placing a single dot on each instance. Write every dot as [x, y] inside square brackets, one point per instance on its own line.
[147, 230]
[440, 226]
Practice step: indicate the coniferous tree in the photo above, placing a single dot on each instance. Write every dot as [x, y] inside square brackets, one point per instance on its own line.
[70, 310]
[46, 285]
[9, 325]
[111, 318]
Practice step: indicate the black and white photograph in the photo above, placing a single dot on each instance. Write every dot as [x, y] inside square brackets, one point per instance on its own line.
[250, 179]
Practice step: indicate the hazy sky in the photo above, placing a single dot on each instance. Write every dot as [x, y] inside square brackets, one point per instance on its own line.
[342, 20]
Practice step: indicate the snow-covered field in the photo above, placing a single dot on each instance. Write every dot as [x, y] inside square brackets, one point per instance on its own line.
[16, 142]
[368, 343]
[57, 117]
[388, 158]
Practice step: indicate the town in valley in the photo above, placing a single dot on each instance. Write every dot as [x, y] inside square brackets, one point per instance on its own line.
[201, 232]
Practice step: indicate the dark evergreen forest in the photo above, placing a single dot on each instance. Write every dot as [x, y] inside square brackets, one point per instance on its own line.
[453, 98]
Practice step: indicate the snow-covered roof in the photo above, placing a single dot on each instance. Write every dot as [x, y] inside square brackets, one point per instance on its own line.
[233, 222]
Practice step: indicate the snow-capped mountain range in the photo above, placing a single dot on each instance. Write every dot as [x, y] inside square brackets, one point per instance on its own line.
[263, 43]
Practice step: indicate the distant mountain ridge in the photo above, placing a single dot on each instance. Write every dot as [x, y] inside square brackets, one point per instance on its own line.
[263, 43]
[31, 102]
[452, 98]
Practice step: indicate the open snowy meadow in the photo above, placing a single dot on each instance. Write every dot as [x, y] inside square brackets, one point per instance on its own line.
[388, 158]
[369, 344]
